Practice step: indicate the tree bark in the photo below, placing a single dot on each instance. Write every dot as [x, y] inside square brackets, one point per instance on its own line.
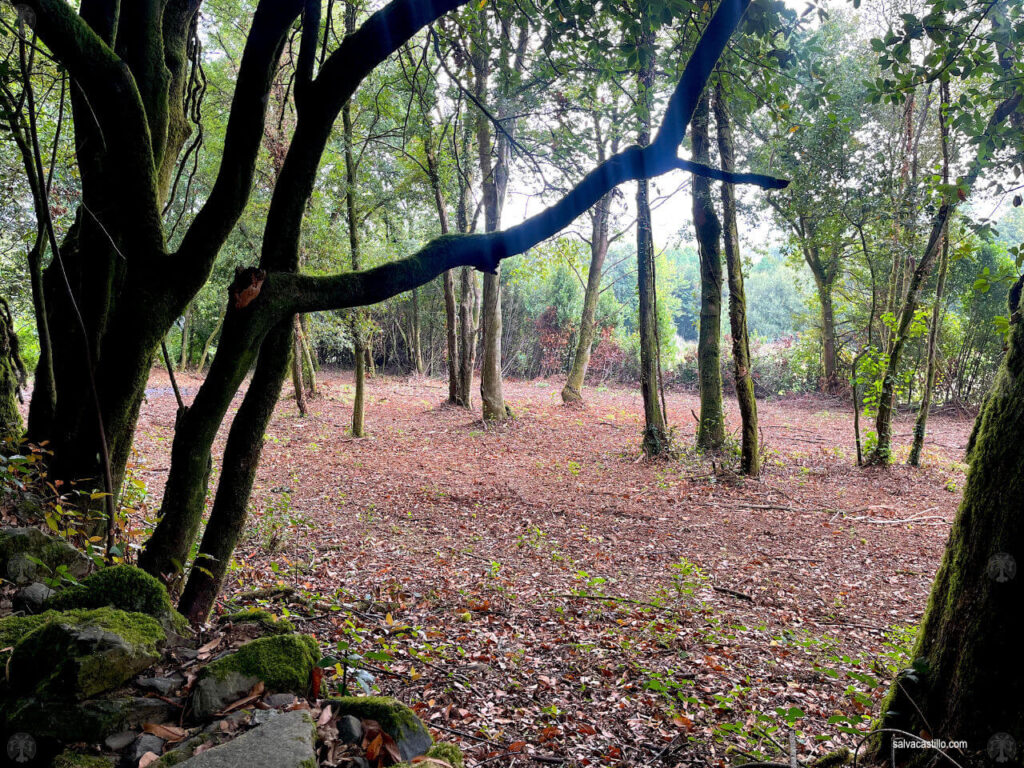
[711, 427]
[300, 390]
[414, 334]
[750, 460]
[241, 459]
[921, 424]
[572, 392]
[12, 378]
[186, 329]
[656, 439]
[961, 686]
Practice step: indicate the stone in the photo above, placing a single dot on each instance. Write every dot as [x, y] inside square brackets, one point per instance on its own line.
[30, 599]
[20, 548]
[119, 741]
[284, 741]
[214, 692]
[126, 588]
[78, 654]
[162, 685]
[267, 622]
[146, 742]
[396, 719]
[279, 700]
[350, 730]
[284, 663]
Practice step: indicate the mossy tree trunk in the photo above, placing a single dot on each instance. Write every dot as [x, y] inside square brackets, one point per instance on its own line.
[12, 378]
[711, 426]
[296, 366]
[966, 679]
[655, 437]
[750, 461]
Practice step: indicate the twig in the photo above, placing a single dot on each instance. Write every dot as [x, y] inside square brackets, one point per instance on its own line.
[610, 598]
[733, 593]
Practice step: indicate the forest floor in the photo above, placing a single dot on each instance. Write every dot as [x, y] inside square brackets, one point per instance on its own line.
[540, 595]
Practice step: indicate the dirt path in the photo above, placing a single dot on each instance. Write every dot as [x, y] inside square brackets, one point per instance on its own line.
[534, 585]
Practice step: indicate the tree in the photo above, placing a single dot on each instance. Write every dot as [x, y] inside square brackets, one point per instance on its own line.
[12, 378]
[750, 460]
[711, 426]
[123, 72]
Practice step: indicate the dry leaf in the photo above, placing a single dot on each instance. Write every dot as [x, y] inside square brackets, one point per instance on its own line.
[148, 758]
[169, 733]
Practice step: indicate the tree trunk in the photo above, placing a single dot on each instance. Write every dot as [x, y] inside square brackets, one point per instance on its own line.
[44, 393]
[186, 332]
[921, 423]
[308, 366]
[828, 334]
[241, 459]
[964, 684]
[655, 439]
[711, 427]
[750, 462]
[300, 390]
[414, 334]
[359, 348]
[12, 378]
[209, 343]
[469, 312]
[572, 392]
[883, 420]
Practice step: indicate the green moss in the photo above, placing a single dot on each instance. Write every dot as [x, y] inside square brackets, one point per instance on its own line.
[282, 662]
[13, 628]
[53, 662]
[70, 759]
[835, 758]
[124, 587]
[448, 752]
[392, 715]
[268, 621]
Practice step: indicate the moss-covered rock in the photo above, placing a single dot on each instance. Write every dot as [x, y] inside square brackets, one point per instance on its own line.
[27, 554]
[448, 752]
[268, 622]
[71, 759]
[284, 663]
[124, 587]
[397, 720]
[77, 654]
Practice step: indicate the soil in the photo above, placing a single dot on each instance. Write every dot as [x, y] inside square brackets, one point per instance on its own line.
[540, 594]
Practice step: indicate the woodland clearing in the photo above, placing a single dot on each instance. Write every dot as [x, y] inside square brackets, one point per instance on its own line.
[533, 588]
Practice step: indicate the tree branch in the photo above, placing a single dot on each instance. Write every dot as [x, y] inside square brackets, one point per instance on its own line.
[220, 213]
[286, 293]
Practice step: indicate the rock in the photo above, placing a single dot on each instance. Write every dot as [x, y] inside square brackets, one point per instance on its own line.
[279, 700]
[78, 654]
[285, 741]
[162, 685]
[30, 599]
[267, 622]
[284, 663]
[215, 691]
[20, 548]
[119, 741]
[126, 588]
[350, 730]
[67, 721]
[147, 742]
[396, 719]
[448, 752]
